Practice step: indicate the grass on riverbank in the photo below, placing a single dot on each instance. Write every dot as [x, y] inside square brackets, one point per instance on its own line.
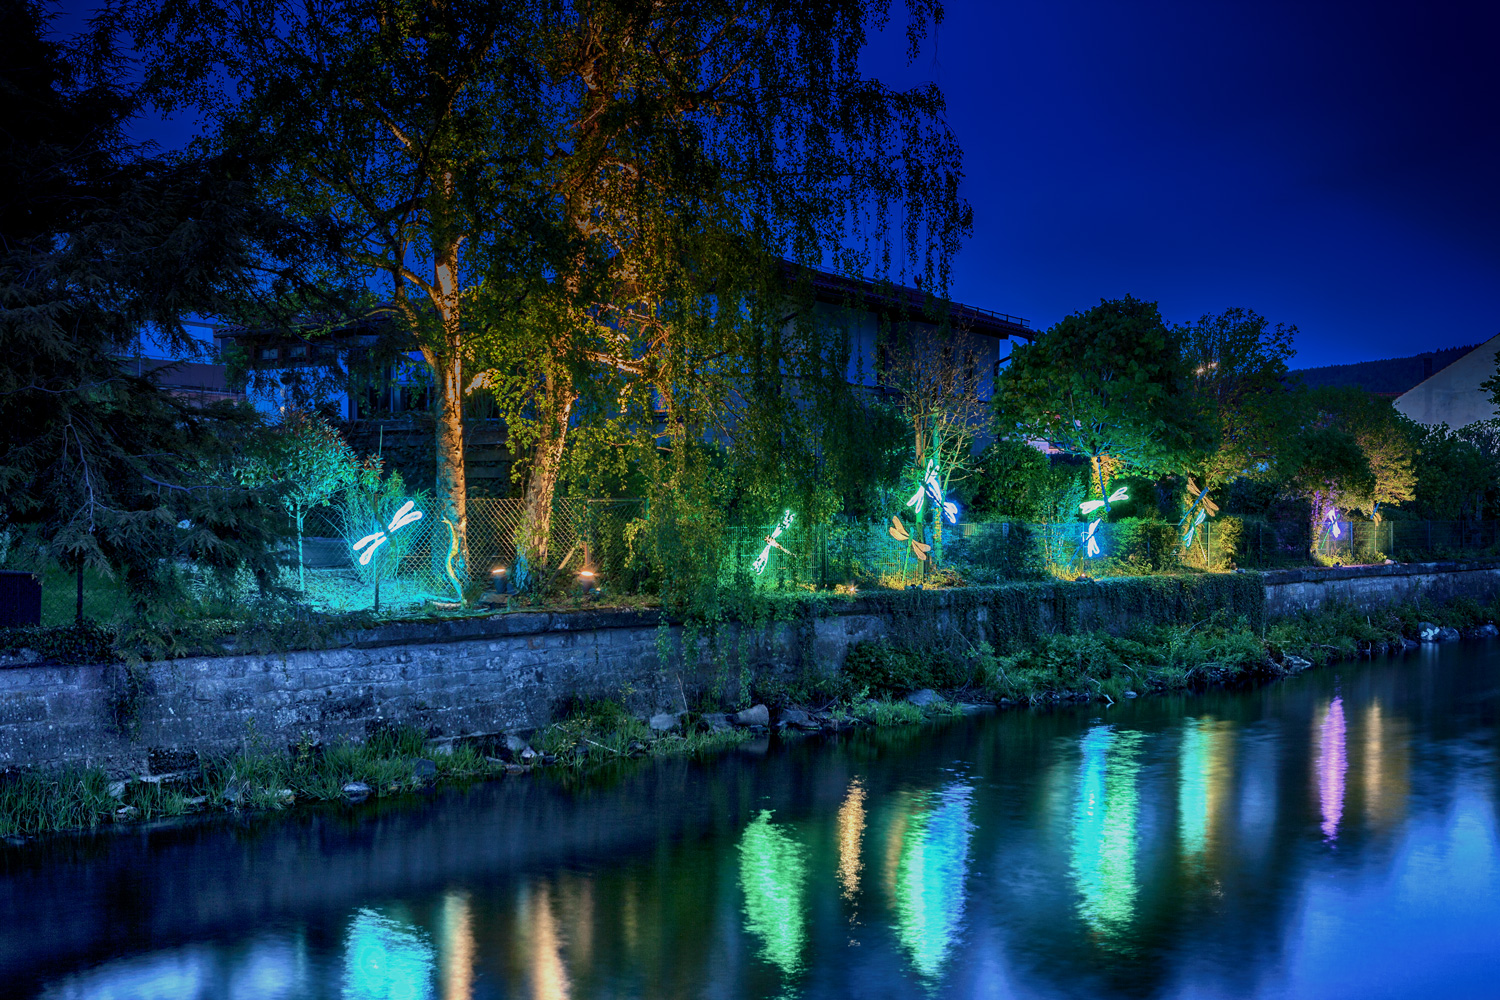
[395, 761]
[869, 690]
[1215, 652]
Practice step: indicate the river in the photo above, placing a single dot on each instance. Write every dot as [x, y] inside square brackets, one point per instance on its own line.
[1332, 835]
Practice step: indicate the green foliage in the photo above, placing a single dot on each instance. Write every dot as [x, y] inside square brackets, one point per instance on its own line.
[886, 671]
[97, 462]
[1013, 480]
[80, 642]
[307, 461]
[1236, 363]
[1456, 475]
[368, 502]
[1106, 382]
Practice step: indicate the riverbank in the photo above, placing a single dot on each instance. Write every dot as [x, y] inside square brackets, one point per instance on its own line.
[879, 684]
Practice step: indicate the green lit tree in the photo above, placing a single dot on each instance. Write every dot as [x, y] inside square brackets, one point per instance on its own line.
[1108, 384]
[1235, 364]
[308, 462]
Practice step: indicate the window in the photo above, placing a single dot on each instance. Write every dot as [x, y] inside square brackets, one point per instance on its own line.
[269, 354]
[297, 351]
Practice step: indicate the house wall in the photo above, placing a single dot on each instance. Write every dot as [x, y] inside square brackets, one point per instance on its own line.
[1453, 396]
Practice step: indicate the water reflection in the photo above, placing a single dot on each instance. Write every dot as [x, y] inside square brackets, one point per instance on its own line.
[386, 958]
[1175, 850]
[773, 877]
[1204, 774]
[1331, 766]
[851, 822]
[1103, 857]
[546, 971]
[930, 876]
[458, 947]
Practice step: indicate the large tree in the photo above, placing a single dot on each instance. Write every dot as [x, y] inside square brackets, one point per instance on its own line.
[412, 125]
[1236, 364]
[1108, 384]
[100, 466]
[690, 145]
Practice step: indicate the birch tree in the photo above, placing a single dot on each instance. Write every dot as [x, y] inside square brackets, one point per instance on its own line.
[410, 125]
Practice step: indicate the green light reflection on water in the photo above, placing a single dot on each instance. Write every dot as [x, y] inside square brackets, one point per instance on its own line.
[930, 877]
[1192, 787]
[1103, 861]
[773, 877]
[386, 959]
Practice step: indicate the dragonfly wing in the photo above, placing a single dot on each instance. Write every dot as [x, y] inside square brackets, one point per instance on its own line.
[1089, 506]
[1117, 495]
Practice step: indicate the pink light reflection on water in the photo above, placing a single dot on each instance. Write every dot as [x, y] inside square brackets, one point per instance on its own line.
[1332, 766]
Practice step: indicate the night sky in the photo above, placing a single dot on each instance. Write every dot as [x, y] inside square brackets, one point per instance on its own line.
[1331, 165]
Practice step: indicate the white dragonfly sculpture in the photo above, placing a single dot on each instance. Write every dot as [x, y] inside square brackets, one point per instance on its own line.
[1332, 527]
[1090, 543]
[898, 531]
[759, 566]
[1199, 509]
[931, 487]
[406, 515]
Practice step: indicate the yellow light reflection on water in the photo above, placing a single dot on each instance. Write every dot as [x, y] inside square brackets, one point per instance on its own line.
[544, 961]
[930, 876]
[458, 947]
[773, 876]
[1385, 768]
[1103, 862]
[386, 959]
[851, 833]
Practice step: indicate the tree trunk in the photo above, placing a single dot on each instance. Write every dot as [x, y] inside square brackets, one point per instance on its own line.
[451, 493]
[301, 519]
[536, 519]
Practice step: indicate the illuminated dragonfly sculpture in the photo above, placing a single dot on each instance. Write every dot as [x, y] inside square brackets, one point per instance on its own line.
[1090, 544]
[1199, 509]
[898, 531]
[367, 545]
[1332, 525]
[933, 488]
[759, 566]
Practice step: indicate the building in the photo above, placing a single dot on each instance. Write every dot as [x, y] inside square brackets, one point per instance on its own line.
[1452, 396]
[381, 393]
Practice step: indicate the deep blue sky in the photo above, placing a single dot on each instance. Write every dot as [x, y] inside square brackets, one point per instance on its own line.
[1331, 165]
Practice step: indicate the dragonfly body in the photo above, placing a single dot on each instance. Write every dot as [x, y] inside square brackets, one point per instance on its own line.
[406, 515]
[762, 560]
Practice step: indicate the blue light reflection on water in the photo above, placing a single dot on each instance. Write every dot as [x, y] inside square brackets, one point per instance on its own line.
[1335, 836]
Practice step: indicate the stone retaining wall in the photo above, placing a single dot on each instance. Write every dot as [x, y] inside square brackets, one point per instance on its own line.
[504, 673]
[1369, 587]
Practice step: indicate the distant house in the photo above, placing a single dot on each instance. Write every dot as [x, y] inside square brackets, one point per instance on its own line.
[1388, 377]
[383, 395]
[194, 381]
[1452, 396]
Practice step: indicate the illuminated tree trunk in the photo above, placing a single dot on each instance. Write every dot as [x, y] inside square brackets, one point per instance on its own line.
[536, 518]
[451, 491]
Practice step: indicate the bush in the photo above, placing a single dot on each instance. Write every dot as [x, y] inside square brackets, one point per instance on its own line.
[885, 671]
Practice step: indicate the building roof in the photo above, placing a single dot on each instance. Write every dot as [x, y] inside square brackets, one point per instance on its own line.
[827, 287]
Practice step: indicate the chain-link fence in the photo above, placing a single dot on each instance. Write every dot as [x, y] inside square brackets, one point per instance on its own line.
[586, 535]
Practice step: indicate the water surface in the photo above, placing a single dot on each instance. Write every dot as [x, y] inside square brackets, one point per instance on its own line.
[1330, 836]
